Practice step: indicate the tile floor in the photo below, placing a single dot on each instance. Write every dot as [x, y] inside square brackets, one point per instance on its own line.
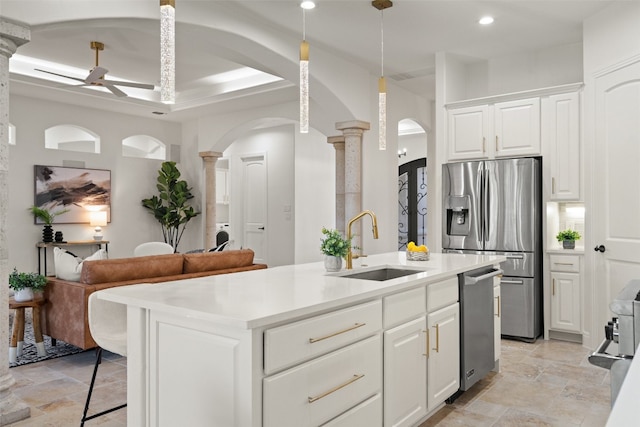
[548, 383]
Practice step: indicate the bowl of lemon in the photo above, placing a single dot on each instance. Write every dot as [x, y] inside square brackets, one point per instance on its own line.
[417, 253]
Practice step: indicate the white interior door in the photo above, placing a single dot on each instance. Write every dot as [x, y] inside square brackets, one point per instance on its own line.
[616, 184]
[255, 206]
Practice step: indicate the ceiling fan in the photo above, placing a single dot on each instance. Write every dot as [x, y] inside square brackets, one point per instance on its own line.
[97, 74]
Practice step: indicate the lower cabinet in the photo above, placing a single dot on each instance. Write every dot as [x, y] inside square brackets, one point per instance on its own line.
[565, 293]
[405, 373]
[443, 338]
[317, 391]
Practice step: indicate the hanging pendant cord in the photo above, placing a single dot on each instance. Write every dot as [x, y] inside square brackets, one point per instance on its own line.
[304, 25]
[382, 43]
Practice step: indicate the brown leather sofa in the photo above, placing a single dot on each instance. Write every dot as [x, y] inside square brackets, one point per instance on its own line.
[66, 310]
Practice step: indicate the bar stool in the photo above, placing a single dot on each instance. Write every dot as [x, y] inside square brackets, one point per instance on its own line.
[17, 334]
[108, 326]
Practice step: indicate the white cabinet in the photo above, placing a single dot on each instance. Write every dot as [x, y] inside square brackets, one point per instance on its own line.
[468, 132]
[405, 373]
[323, 388]
[443, 342]
[222, 186]
[502, 129]
[516, 127]
[565, 293]
[561, 133]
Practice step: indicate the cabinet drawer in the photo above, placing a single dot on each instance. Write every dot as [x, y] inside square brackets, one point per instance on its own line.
[368, 413]
[442, 294]
[321, 389]
[399, 308]
[287, 345]
[564, 263]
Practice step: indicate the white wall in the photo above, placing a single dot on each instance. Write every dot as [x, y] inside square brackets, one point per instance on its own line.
[131, 179]
[277, 145]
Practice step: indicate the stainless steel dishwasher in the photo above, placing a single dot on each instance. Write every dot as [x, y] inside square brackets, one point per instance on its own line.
[477, 356]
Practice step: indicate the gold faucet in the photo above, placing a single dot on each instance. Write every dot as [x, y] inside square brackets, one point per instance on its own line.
[350, 255]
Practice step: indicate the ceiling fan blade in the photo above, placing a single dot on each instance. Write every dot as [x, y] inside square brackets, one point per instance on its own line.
[95, 74]
[61, 75]
[128, 84]
[117, 92]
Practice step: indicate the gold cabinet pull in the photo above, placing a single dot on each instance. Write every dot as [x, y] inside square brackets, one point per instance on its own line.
[498, 313]
[484, 143]
[353, 379]
[497, 144]
[553, 185]
[428, 344]
[351, 328]
[437, 349]
[553, 287]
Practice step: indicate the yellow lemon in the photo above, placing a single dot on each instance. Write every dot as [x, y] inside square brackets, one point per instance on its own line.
[411, 246]
[422, 248]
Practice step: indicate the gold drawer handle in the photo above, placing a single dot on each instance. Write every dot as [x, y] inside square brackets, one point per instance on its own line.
[356, 326]
[336, 388]
[498, 298]
[437, 349]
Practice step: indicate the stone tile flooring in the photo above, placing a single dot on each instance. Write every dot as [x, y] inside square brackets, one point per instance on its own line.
[548, 383]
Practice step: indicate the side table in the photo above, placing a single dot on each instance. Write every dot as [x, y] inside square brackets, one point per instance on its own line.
[42, 246]
[17, 334]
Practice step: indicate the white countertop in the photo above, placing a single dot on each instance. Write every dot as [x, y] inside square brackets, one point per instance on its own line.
[579, 250]
[259, 298]
[625, 411]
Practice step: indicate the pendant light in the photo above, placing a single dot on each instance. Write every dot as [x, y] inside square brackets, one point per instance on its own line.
[304, 70]
[381, 5]
[168, 51]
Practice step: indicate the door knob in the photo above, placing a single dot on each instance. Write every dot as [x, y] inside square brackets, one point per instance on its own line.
[260, 228]
[600, 248]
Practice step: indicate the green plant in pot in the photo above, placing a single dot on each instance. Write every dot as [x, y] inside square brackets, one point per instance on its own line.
[171, 206]
[47, 217]
[568, 238]
[334, 247]
[25, 284]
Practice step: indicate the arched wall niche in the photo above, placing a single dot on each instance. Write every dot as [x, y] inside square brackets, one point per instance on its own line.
[144, 147]
[72, 138]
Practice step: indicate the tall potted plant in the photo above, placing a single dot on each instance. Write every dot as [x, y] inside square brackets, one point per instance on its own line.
[47, 217]
[171, 206]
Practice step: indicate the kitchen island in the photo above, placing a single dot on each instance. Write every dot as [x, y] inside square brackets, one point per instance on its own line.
[294, 345]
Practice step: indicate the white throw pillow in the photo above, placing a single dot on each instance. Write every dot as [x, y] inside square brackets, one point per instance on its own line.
[69, 267]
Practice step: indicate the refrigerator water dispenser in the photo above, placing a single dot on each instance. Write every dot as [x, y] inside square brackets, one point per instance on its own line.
[458, 223]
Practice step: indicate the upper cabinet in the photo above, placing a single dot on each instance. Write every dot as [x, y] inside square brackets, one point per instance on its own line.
[561, 130]
[516, 127]
[468, 132]
[502, 129]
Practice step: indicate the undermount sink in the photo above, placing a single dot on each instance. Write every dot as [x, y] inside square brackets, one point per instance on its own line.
[380, 274]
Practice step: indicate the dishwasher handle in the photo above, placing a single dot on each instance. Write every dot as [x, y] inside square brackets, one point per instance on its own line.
[472, 280]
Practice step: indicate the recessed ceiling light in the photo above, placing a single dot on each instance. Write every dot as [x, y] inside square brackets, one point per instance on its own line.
[307, 4]
[486, 20]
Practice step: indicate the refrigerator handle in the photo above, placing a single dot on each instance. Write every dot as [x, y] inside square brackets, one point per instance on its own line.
[486, 204]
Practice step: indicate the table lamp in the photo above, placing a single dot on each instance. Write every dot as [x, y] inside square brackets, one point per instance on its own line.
[98, 219]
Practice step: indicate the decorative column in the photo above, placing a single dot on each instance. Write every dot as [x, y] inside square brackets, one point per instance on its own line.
[209, 158]
[338, 144]
[12, 35]
[352, 132]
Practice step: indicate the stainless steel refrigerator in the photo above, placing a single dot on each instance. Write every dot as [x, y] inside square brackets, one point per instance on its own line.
[494, 207]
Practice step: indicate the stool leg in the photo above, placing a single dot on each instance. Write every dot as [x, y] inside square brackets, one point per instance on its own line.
[20, 320]
[13, 351]
[93, 381]
[37, 332]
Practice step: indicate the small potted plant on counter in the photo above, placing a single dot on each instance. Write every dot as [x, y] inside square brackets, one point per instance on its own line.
[568, 238]
[334, 247]
[25, 284]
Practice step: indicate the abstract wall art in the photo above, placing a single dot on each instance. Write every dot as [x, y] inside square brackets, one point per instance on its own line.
[77, 189]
